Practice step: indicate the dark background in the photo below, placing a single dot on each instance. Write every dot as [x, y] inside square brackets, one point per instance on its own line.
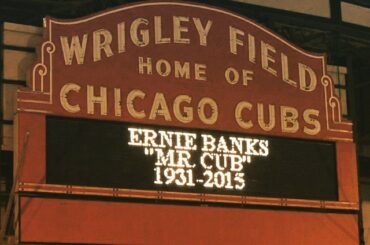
[96, 153]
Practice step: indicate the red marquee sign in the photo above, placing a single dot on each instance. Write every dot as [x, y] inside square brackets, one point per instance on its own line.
[201, 68]
[189, 69]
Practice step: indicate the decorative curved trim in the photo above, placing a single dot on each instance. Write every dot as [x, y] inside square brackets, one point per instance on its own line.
[333, 107]
[42, 73]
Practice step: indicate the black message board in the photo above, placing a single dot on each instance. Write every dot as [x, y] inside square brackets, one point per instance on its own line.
[122, 155]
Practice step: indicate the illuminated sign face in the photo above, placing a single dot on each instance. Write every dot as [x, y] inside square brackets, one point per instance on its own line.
[120, 155]
[222, 160]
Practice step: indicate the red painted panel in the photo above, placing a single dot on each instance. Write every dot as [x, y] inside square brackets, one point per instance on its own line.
[117, 68]
[347, 172]
[77, 221]
[31, 146]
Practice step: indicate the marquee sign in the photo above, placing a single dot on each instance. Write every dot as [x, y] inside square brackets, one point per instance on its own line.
[199, 68]
[180, 101]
